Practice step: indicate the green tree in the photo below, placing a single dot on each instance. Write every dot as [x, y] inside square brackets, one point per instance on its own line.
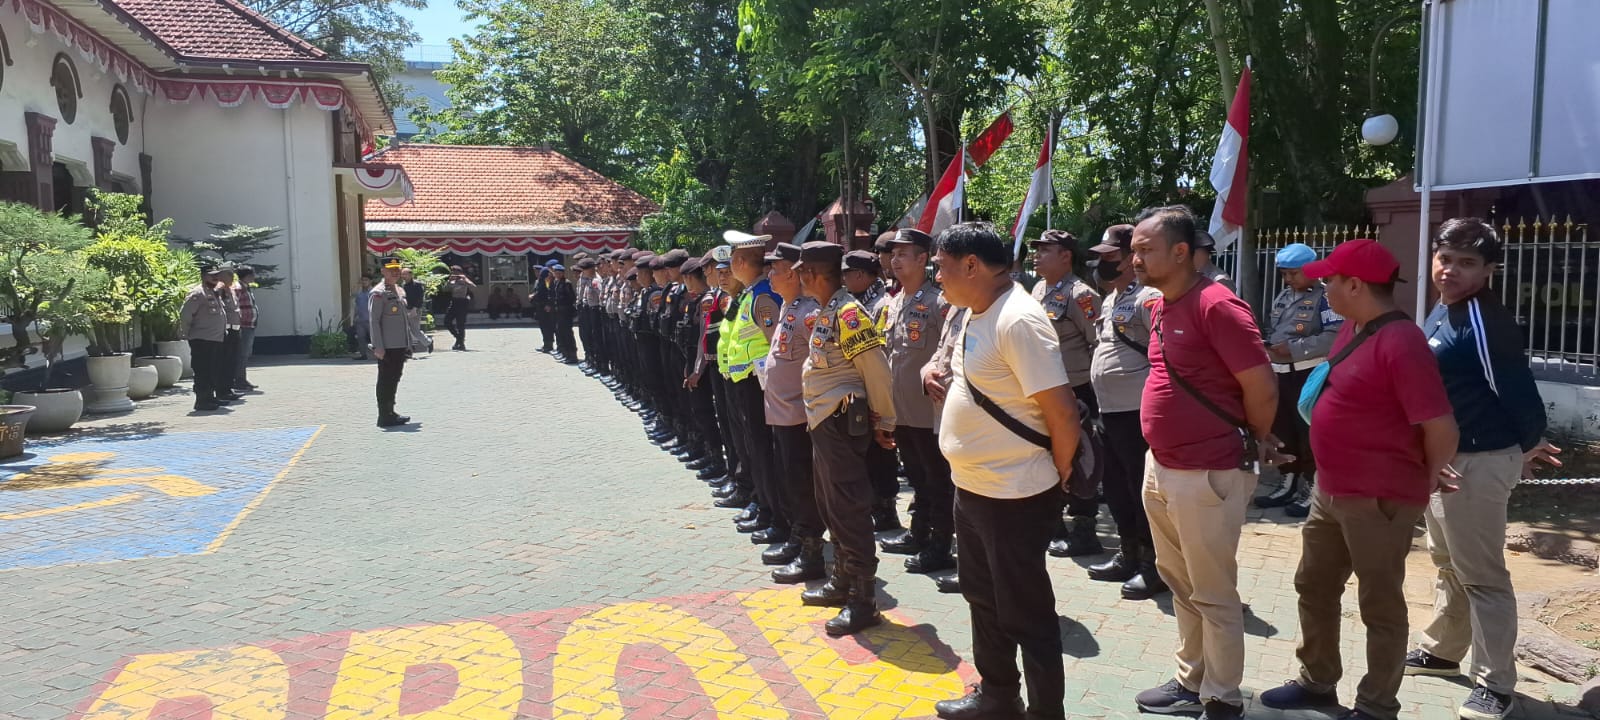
[41, 264]
[238, 244]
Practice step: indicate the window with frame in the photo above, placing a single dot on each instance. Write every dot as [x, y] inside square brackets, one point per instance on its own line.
[64, 78]
[121, 113]
[508, 269]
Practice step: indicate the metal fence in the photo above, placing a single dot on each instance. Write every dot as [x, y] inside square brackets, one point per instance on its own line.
[1269, 241]
[1551, 279]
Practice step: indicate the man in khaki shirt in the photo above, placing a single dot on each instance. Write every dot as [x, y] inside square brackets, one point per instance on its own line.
[846, 382]
[913, 324]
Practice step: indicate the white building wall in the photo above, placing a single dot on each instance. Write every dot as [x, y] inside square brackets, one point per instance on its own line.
[27, 89]
[253, 165]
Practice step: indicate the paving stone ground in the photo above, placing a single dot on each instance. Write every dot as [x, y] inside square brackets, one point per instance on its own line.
[522, 552]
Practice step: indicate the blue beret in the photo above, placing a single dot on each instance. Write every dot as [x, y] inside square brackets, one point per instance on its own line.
[1295, 256]
[552, 263]
[557, 266]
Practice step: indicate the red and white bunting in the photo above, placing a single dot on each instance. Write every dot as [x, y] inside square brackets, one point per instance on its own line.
[1230, 167]
[1038, 190]
[541, 244]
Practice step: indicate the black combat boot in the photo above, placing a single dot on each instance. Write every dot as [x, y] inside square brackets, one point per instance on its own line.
[909, 542]
[860, 611]
[1147, 584]
[775, 533]
[740, 498]
[1076, 540]
[1122, 566]
[783, 553]
[804, 566]
[933, 557]
[832, 593]
[884, 517]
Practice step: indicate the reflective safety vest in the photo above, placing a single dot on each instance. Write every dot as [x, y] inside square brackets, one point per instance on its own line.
[747, 342]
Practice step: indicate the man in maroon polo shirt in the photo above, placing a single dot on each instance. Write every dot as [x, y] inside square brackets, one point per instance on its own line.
[1383, 433]
[1207, 407]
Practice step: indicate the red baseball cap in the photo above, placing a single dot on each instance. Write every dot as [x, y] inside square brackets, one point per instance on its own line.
[1365, 260]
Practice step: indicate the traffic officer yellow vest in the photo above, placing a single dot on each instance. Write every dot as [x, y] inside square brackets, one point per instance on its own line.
[746, 341]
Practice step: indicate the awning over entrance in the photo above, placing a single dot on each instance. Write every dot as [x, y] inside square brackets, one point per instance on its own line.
[542, 244]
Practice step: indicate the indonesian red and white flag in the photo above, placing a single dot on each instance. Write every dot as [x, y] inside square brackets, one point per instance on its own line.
[990, 140]
[944, 203]
[1229, 167]
[1038, 191]
[914, 215]
[804, 233]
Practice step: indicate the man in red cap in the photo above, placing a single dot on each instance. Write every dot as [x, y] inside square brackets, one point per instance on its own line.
[1383, 434]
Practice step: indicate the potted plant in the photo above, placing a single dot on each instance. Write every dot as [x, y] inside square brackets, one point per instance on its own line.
[13, 428]
[155, 279]
[43, 277]
[175, 273]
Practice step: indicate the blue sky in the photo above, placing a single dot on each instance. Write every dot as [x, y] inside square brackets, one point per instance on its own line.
[438, 23]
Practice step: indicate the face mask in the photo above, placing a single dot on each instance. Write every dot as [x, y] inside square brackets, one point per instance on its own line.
[1107, 271]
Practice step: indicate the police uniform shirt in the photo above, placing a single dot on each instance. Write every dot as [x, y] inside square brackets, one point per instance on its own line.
[785, 395]
[1307, 323]
[847, 361]
[1118, 371]
[1073, 308]
[651, 299]
[230, 307]
[203, 316]
[1216, 275]
[391, 326]
[915, 322]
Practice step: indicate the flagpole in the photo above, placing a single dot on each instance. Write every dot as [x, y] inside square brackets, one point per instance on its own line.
[1050, 174]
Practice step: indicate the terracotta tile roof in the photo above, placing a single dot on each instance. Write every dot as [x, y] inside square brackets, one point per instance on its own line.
[507, 186]
[218, 29]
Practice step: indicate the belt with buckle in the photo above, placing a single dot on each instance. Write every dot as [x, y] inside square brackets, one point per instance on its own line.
[1284, 368]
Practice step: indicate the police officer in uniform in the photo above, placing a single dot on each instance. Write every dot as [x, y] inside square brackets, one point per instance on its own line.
[1072, 306]
[913, 326]
[691, 344]
[740, 488]
[1299, 334]
[391, 339]
[749, 337]
[801, 556]
[542, 301]
[588, 303]
[566, 310]
[1118, 372]
[849, 405]
[1205, 247]
[883, 246]
[936, 376]
[674, 306]
[203, 321]
[863, 277]
[647, 347]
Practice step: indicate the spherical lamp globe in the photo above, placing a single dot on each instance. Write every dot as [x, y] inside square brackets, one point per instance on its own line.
[1380, 129]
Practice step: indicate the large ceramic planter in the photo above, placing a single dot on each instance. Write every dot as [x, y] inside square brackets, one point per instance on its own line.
[178, 349]
[142, 382]
[169, 368]
[56, 410]
[108, 384]
[13, 428]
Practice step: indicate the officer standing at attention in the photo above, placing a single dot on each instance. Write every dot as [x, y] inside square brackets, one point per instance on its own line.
[884, 248]
[203, 321]
[391, 339]
[801, 555]
[740, 488]
[849, 406]
[1072, 306]
[566, 304]
[863, 277]
[701, 301]
[1118, 371]
[1299, 334]
[647, 351]
[542, 302]
[914, 327]
[1205, 247]
[749, 338]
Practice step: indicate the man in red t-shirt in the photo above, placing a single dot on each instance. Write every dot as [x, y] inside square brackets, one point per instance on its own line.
[1210, 388]
[1383, 433]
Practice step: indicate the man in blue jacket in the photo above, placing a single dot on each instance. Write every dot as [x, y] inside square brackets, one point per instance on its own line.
[1479, 347]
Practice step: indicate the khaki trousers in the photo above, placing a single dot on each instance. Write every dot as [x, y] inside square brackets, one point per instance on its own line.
[1195, 520]
[1473, 603]
[1371, 538]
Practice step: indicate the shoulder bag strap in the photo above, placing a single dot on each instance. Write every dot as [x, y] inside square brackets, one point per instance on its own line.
[1366, 332]
[1193, 391]
[1000, 416]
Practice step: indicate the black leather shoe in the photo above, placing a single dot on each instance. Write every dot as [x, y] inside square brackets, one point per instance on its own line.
[782, 553]
[699, 463]
[906, 543]
[392, 420]
[1077, 541]
[948, 584]
[213, 407]
[979, 705]
[691, 456]
[752, 525]
[724, 490]
[933, 558]
[749, 513]
[832, 593]
[738, 499]
[229, 397]
[884, 517]
[1147, 584]
[1118, 569]
[710, 473]
[773, 534]
[805, 565]
[860, 611]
